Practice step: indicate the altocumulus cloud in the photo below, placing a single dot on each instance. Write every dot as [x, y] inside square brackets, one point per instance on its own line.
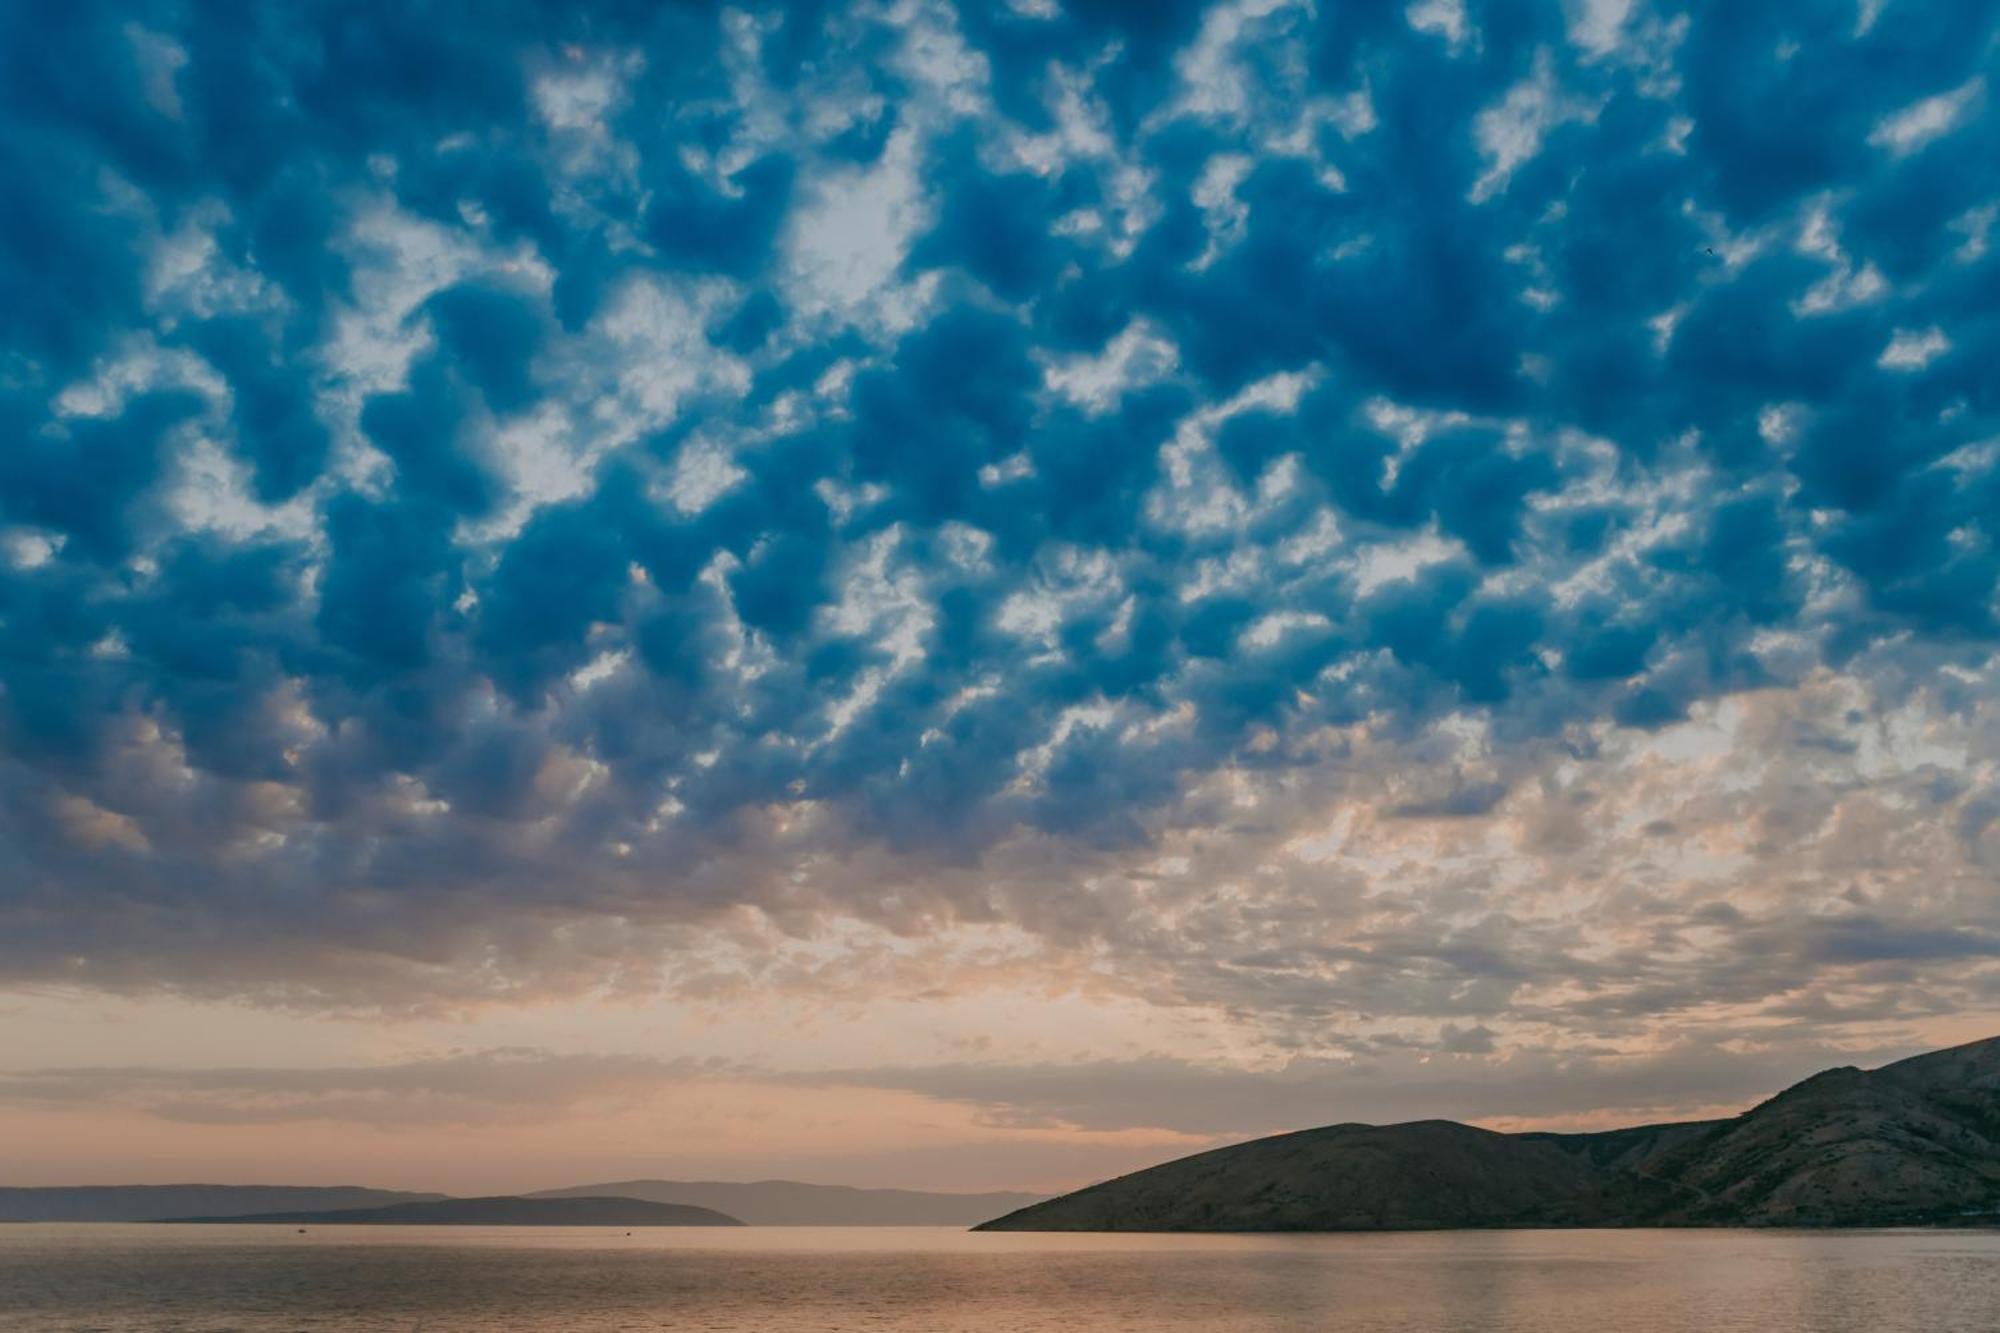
[463, 1088]
[525, 1085]
[1421, 526]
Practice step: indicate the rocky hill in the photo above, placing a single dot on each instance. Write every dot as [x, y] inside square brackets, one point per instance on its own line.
[1916, 1142]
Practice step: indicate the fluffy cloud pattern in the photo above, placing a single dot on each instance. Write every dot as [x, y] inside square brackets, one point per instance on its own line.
[1467, 526]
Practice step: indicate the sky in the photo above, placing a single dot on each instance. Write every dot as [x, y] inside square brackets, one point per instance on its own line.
[980, 597]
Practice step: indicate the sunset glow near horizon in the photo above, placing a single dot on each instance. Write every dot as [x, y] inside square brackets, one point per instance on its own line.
[978, 597]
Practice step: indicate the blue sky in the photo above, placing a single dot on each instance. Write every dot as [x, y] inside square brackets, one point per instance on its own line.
[1082, 562]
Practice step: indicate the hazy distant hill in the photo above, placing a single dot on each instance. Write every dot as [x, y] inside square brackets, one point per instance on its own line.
[506, 1210]
[150, 1203]
[758, 1203]
[1912, 1143]
[777, 1203]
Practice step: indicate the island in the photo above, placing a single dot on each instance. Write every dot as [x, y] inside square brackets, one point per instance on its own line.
[505, 1210]
[792, 1203]
[1914, 1143]
[752, 1203]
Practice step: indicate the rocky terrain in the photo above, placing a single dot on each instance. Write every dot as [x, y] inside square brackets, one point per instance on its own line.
[1913, 1143]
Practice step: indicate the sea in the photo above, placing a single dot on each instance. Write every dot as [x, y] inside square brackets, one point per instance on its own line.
[122, 1278]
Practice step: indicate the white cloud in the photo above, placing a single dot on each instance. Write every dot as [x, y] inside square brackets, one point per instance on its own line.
[576, 101]
[1913, 349]
[1138, 356]
[1510, 132]
[160, 60]
[848, 243]
[1597, 26]
[1922, 122]
[1446, 18]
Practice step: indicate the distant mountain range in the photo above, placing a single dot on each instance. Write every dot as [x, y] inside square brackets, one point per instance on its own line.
[153, 1203]
[1912, 1143]
[758, 1203]
[505, 1210]
[785, 1203]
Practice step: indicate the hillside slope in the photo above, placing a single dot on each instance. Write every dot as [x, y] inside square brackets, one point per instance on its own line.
[1915, 1142]
[1433, 1173]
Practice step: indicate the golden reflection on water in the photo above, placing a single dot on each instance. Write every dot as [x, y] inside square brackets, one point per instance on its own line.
[125, 1278]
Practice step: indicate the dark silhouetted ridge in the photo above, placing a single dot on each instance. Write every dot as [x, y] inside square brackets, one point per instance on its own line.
[1913, 1143]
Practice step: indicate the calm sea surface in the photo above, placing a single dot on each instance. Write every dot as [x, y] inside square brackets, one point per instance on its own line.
[435, 1279]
